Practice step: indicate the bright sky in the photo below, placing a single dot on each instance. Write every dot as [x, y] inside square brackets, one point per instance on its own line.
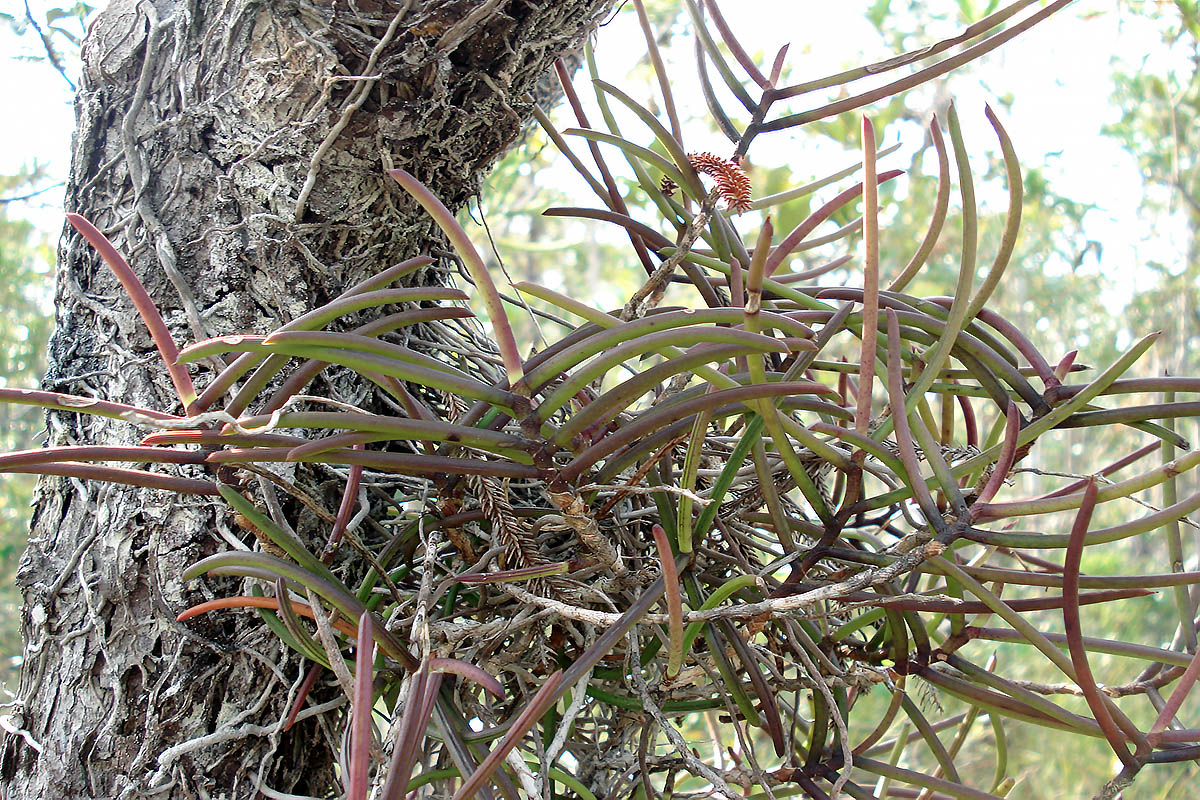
[40, 118]
[1058, 72]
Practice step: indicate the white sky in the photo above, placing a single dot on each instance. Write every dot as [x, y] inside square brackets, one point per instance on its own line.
[1058, 73]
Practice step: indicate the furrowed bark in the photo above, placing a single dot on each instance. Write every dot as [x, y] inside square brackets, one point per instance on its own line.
[235, 152]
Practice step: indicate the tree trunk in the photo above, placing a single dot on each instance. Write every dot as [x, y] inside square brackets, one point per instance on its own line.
[235, 152]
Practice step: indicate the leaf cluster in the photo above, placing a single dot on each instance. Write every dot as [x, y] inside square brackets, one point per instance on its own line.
[768, 507]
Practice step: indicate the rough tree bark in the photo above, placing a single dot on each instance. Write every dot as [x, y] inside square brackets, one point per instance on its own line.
[235, 152]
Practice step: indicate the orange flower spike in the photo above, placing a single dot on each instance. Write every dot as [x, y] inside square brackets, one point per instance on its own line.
[732, 183]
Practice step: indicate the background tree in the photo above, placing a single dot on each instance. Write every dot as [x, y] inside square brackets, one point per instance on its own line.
[25, 260]
[1159, 96]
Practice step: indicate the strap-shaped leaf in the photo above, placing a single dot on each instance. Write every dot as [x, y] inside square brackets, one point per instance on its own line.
[268, 567]
[282, 539]
[479, 274]
[635, 330]
[348, 302]
[442, 377]
[147, 310]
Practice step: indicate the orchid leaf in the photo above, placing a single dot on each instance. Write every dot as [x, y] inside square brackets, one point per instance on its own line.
[479, 274]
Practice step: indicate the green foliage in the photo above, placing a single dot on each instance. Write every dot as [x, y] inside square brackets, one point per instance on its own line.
[25, 260]
[1159, 97]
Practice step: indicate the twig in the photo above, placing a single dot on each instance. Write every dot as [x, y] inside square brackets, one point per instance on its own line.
[652, 290]
[20, 197]
[51, 54]
[329, 642]
[698, 767]
[645, 490]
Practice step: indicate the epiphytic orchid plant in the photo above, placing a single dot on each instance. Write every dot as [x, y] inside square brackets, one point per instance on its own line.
[816, 532]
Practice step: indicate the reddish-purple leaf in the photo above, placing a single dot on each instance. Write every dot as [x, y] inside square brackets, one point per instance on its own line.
[167, 349]
[468, 671]
[270, 603]
[82, 405]
[1008, 451]
[538, 705]
[1074, 631]
[674, 597]
[410, 734]
[71, 453]
[360, 712]
[735, 47]
[310, 680]
[904, 438]
[1158, 731]
[1064, 366]
[777, 65]
[793, 239]
[345, 511]
[128, 477]
[475, 266]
